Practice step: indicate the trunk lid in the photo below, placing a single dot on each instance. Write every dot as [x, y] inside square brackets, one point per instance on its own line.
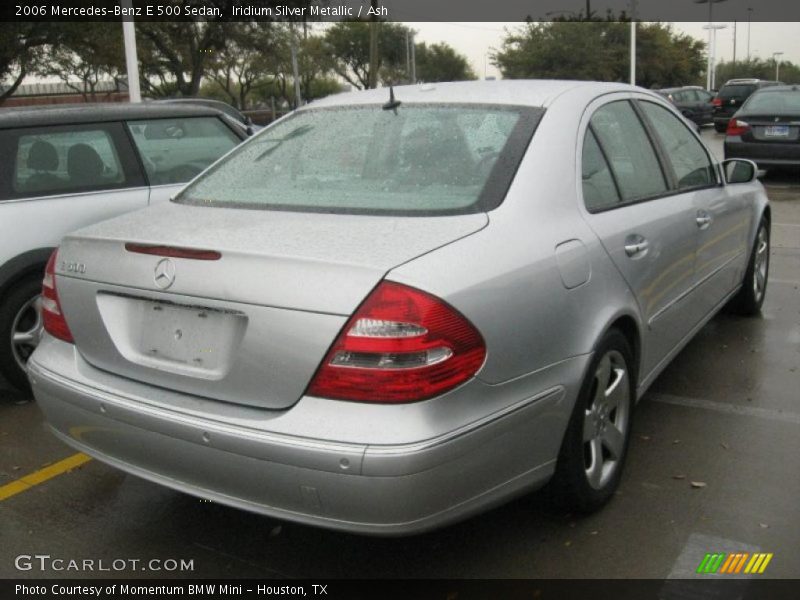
[772, 128]
[250, 327]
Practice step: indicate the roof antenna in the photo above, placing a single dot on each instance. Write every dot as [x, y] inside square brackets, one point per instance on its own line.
[392, 104]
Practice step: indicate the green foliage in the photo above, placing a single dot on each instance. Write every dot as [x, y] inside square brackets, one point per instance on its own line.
[440, 62]
[23, 51]
[347, 43]
[757, 68]
[176, 55]
[598, 50]
[87, 52]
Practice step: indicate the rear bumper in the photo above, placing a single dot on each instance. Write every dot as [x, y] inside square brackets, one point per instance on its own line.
[392, 489]
[764, 154]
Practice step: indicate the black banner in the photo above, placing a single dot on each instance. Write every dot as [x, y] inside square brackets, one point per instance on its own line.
[711, 588]
[399, 10]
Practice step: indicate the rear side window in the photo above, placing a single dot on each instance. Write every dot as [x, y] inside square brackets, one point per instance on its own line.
[65, 161]
[625, 144]
[175, 150]
[413, 160]
[689, 160]
[599, 190]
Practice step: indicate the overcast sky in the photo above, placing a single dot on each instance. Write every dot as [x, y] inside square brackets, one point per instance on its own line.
[476, 40]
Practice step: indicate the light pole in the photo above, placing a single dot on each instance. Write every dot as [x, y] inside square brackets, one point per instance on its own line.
[712, 32]
[633, 42]
[711, 4]
[131, 60]
[749, 15]
[775, 56]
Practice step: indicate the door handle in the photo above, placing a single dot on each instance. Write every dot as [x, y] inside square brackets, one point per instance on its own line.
[703, 219]
[636, 246]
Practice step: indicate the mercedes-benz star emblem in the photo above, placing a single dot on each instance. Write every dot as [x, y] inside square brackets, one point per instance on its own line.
[165, 273]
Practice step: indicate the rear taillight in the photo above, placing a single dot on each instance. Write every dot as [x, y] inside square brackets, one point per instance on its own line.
[717, 102]
[737, 127]
[54, 322]
[401, 345]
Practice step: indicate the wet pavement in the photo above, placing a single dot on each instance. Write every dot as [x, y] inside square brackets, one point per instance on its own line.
[724, 414]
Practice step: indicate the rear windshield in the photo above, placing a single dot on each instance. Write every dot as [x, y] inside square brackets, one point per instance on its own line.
[775, 103]
[413, 160]
[740, 92]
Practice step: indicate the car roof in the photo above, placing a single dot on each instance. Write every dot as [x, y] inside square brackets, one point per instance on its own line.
[779, 88]
[518, 92]
[69, 114]
[679, 88]
[748, 81]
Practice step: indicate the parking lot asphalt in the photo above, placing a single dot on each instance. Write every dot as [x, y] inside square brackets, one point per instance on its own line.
[713, 467]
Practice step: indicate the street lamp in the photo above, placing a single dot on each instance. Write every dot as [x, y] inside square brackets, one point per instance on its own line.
[775, 56]
[711, 4]
[712, 54]
[749, 16]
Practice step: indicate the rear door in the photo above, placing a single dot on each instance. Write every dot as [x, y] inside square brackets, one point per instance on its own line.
[648, 230]
[721, 217]
[175, 150]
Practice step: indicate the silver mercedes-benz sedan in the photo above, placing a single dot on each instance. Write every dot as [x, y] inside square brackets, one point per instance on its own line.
[394, 309]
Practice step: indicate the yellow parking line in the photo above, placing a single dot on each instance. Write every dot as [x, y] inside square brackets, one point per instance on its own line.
[42, 475]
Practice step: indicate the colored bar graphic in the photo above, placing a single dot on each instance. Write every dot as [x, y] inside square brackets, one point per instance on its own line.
[734, 563]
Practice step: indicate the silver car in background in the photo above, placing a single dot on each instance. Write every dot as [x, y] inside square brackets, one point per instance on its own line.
[389, 311]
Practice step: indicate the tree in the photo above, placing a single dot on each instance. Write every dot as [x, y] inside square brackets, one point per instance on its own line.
[88, 52]
[22, 50]
[175, 56]
[440, 62]
[347, 43]
[598, 50]
[244, 61]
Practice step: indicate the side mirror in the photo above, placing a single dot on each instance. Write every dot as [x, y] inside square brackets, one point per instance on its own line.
[739, 170]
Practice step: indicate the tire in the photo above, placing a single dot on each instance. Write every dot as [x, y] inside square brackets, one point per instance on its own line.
[20, 314]
[750, 298]
[720, 127]
[591, 459]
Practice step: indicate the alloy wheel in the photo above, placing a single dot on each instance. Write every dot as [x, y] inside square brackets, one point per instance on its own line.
[606, 420]
[26, 330]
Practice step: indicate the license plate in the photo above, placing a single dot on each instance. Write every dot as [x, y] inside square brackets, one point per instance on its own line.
[776, 131]
[185, 335]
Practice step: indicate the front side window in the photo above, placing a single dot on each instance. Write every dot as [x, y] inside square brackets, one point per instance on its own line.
[65, 161]
[625, 144]
[690, 161]
[175, 150]
[416, 159]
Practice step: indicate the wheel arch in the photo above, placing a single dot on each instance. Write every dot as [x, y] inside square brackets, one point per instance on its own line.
[22, 266]
[628, 326]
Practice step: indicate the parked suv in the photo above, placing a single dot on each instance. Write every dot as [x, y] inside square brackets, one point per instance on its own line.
[65, 167]
[732, 95]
